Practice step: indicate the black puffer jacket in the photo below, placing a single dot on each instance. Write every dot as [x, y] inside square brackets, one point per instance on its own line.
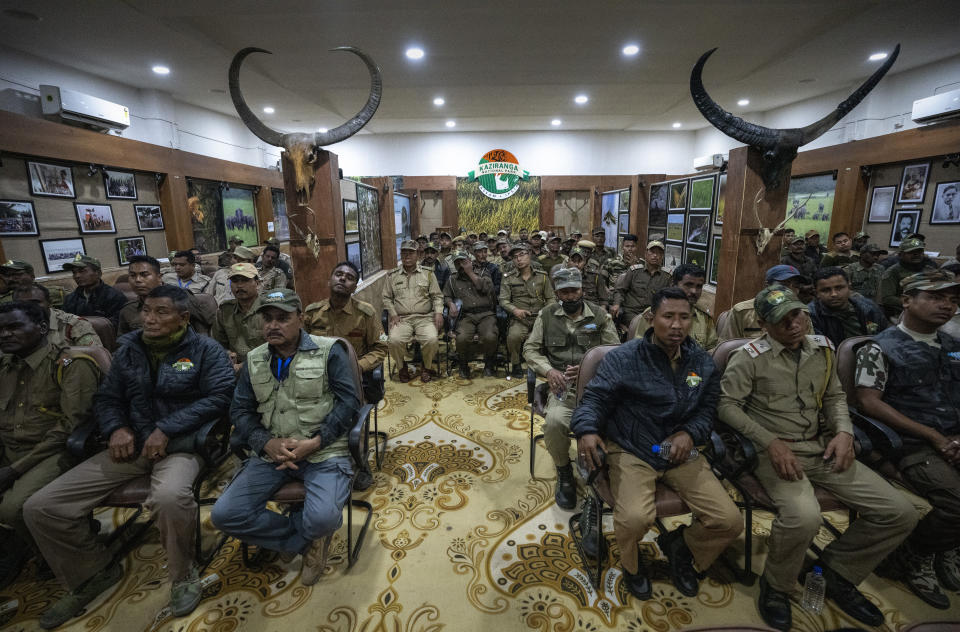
[637, 400]
[182, 399]
[871, 318]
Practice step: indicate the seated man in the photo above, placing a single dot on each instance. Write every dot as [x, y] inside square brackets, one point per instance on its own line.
[841, 254]
[19, 274]
[46, 391]
[165, 382]
[414, 302]
[776, 390]
[662, 387]
[430, 261]
[742, 321]
[219, 285]
[865, 273]
[475, 289]
[238, 326]
[482, 265]
[909, 379]
[523, 293]
[798, 257]
[690, 278]
[636, 286]
[92, 297]
[839, 314]
[144, 275]
[562, 332]
[912, 261]
[272, 276]
[66, 330]
[552, 256]
[186, 273]
[294, 404]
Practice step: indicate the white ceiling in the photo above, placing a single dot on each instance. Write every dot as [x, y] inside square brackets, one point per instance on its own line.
[499, 65]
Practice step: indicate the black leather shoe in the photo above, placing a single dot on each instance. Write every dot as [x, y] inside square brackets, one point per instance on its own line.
[363, 481]
[638, 584]
[849, 599]
[774, 607]
[489, 369]
[516, 371]
[591, 539]
[465, 371]
[566, 493]
[682, 573]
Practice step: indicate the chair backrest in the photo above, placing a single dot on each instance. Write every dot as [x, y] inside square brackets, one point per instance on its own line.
[588, 366]
[721, 353]
[847, 365]
[99, 354]
[355, 364]
[105, 330]
[722, 319]
[206, 304]
[633, 326]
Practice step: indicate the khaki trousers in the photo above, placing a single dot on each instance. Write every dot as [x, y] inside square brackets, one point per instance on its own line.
[885, 517]
[480, 324]
[517, 334]
[11, 506]
[419, 326]
[57, 514]
[716, 519]
[556, 426]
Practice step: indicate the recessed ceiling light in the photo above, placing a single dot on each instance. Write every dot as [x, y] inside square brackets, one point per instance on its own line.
[439, 101]
[556, 122]
[677, 124]
[581, 99]
[877, 56]
[268, 110]
[414, 53]
[630, 50]
[451, 123]
[322, 130]
[743, 102]
[161, 70]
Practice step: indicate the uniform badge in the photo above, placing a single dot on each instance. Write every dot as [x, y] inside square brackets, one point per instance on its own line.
[384, 338]
[872, 328]
[183, 364]
[693, 380]
[954, 355]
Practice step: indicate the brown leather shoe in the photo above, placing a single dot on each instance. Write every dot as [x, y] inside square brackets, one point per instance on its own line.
[426, 375]
[404, 375]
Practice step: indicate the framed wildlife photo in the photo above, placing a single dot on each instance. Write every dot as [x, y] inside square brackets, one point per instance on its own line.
[17, 219]
[119, 185]
[148, 216]
[695, 256]
[721, 198]
[913, 185]
[678, 195]
[130, 247]
[714, 269]
[56, 252]
[95, 218]
[701, 194]
[698, 229]
[675, 223]
[351, 219]
[51, 180]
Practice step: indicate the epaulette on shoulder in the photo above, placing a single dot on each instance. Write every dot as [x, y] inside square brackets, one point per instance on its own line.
[822, 341]
[756, 347]
[313, 306]
[366, 308]
[637, 266]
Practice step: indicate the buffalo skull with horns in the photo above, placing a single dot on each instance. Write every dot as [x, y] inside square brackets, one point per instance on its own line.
[304, 149]
[778, 146]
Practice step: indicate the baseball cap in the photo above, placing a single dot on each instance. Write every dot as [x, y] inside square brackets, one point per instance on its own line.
[586, 243]
[578, 252]
[796, 238]
[235, 240]
[13, 265]
[782, 272]
[516, 247]
[812, 232]
[431, 245]
[862, 234]
[242, 252]
[472, 233]
[409, 245]
[82, 261]
[557, 237]
[459, 238]
[776, 301]
[284, 299]
[536, 235]
[480, 245]
[929, 280]
[599, 231]
[501, 232]
[871, 248]
[908, 245]
[458, 255]
[247, 270]
[655, 244]
[273, 241]
[567, 277]
[445, 234]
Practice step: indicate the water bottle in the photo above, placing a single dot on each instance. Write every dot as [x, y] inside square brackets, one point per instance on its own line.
[813, 589]
[664, 450]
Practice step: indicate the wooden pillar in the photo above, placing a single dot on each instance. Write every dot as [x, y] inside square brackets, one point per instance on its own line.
[3, 256]
[548, 206]
[451, 213]
[313, 243]
[177, 225]
[849, 203]
[640, 210]
[749, 206]
[264, 206]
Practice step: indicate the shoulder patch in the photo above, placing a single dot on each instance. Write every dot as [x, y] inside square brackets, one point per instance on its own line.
[821, 341]
[312, 306]
[636, 266]
[756, 347]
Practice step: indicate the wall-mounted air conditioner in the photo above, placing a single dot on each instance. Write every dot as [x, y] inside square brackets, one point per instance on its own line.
[89, 111]
[939, 107]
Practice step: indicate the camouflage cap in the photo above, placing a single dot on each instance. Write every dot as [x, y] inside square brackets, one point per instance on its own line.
[929, 281]
[284, 299]
[82, 261]
[796, 238]
[445, 234]
[242, 252]
[776, 301]
[458, 255]
[812, 232]
[409, 244]
[431, 245]
[15, 265]
[518, 247]
[577, 252]
[655, 244]
[599, 231]
[247, 270]
[555, 237]
[862, 235]
[911, 244]
[567, 277]
[273, 241]
[234, 239]
[871, 248]
[586, 243]
[480, 245]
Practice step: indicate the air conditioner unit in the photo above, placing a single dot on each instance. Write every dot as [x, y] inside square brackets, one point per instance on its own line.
[83, 109]
[706, 163]
[939, 107]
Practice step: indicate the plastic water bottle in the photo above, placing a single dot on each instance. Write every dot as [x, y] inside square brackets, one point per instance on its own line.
[664, 450]
[813, 589]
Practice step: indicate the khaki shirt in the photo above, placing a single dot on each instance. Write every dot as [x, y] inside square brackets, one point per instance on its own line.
[474, 299]
[412, 294]
[702, 330]
[238, 331]
[865, 281]
[219, 286]
[357, 322]
[196, 285]
[272, 279]
[888, 292]
[57, 296]
[534, 348]
[70, 330]
[37, 413]
[548, 261]
[767, 394]
[531, 295]
[635, 287]
[743, 323]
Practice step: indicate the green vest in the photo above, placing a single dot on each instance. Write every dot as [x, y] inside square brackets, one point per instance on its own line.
[298, 406]
[562, 346]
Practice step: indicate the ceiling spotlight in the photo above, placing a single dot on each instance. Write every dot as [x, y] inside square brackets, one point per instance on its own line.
[268, 110]
[451, 123]
[630, 50]
[439, 101]
[677, 124]
[556, 122]
[414, 53]
[322, 130]
[161, 70]
[743, 102]
[877, 56]
[581, 99]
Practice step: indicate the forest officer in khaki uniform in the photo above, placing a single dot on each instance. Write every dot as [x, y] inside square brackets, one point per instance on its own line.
[523, 293]
[474, 288]
[239, 327]
[636, 286]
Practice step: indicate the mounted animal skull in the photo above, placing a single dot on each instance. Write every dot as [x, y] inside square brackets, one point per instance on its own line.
[304, 149]
[778, 146]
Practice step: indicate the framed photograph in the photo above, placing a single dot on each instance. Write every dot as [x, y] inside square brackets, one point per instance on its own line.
[51, 180]
[57, 252]
[119, 185]
[625, 200]
[913, 185]
[353, 255]
[701, 194]
[351, 218]
[905, 222]
[672, 257]
[678, 195]
[881, 204]
[623, 223]
[698, 229]
[239, 215]
[712, 271]
[655, 234]
[130, 247]
[658, 205]
[721, 198]
[148, 216]
[17, 219]
[95, 218]
[675, 226]
[946, 204]
[696, 256]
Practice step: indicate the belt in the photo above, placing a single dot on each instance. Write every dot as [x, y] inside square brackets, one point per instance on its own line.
[474, 310]
[816, 436]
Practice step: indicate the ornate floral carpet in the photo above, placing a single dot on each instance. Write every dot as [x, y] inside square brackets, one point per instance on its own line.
[461, 539]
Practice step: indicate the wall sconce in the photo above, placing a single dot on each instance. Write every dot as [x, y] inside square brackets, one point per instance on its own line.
[92, 170]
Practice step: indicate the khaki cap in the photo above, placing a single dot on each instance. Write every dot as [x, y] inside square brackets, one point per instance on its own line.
[242, 252]
[82, 261]
[812, 232]
[459, 238]
[655, 244]
[235, 240]
[15, 265]
[283, 299]
[929, 281]
[247, 270]
[431, 245]
[586, 243]
[776, 301]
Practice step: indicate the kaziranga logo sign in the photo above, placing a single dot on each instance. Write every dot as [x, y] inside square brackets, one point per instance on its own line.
[499, 174]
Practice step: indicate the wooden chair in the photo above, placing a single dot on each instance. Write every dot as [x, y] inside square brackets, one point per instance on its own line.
[105, 330]
[722, 319]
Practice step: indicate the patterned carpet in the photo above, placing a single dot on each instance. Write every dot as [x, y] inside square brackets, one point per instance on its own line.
[461, 539]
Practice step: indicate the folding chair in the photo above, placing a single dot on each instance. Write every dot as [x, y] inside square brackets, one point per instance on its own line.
[537, 400]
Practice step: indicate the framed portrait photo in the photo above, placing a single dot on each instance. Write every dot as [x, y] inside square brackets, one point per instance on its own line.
[675, 223]
[95, 218]
[623, 223]
[905, 222]
[120, 185]
[148, 216]
[353, 256]
[714, 269]
[696, 256]
[946, 204]
[51, 180]
[351, 217]
[17, 219]
[57, 252]
[678, 195]
[881, 204]
[701, 194]
[698, 229]
[913, 185]
[130, 247]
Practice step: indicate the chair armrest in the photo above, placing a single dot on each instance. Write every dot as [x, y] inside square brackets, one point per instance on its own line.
[531, 385]
[212, 440]
[355, 439]
[377, 374]
[740, 455]
[716, 447]
[862, 444]
[82, 440]
[883, 438]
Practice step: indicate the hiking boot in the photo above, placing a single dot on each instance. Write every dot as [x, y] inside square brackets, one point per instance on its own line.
[774, 607]
[363, 481]
[489, 367]
[516, 371]
[592, 542]
[566, 493]
[682, 573]
[465, 371]
[947, 566]
[185, 594]
[314, 561]
[849, 599]
[638, 584]
[74, 601]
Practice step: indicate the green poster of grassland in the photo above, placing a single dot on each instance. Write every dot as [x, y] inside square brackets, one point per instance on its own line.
[701, 194]
[482, 214]
[239, 216]
[810, 202]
